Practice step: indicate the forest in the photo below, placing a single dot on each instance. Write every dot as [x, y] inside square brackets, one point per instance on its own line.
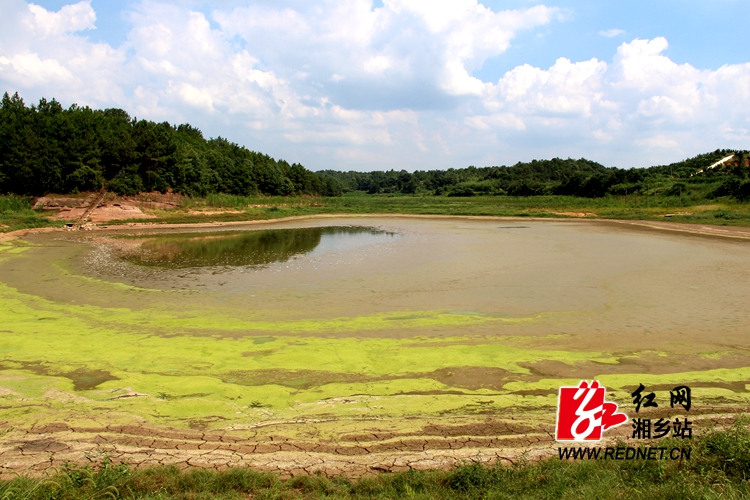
[45, 148]
[582, 178]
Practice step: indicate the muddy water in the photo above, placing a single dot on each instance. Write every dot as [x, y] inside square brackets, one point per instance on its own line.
[582, 284]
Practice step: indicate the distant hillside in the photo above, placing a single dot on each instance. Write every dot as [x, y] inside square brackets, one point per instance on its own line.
[48, 149]
[584, 178]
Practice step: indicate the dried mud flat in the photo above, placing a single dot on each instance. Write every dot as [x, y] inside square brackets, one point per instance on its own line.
[445, 346]
[41, 450]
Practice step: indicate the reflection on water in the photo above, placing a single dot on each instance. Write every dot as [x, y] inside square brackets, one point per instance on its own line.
[249, 248]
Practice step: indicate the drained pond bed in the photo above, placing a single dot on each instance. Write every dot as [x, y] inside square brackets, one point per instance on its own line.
[355, 342]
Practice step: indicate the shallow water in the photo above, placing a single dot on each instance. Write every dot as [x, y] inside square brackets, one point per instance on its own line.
[248, 248]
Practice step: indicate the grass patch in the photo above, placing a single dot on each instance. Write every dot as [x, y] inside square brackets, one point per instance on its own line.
[719, 468]
[16, 213]
[723, 211]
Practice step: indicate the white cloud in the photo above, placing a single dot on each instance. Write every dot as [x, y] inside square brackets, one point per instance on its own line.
[405, 46]
[642, 99]
[70, 18]
[495, 121]
[612, 33]
[602, 135]
[660, 105]
[344, 85]
[567, 88]
[194, 96]
[43, 53]
[28, 70]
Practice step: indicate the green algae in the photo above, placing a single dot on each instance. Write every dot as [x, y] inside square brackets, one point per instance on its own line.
[71, 332]
[14, 247]
[192, 321]
[153, 376]
[157, 376]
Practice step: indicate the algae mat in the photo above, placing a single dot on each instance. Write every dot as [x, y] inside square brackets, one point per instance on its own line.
[443, 341]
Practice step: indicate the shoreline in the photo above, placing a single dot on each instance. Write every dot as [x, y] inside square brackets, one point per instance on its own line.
[706, 230]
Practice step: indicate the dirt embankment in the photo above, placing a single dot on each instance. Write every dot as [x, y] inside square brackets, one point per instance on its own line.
[111, 208]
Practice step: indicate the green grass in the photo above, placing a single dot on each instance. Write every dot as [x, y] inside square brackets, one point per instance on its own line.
[718, 468]
[723, 211]
[16, 213]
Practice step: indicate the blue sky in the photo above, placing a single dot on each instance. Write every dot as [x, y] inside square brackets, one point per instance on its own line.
[412, 84]
[699, 32]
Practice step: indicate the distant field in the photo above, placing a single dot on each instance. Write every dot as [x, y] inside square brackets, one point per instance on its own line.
[16, 213]
[721, 212]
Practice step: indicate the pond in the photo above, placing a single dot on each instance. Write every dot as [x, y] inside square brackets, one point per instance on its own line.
[352, 326]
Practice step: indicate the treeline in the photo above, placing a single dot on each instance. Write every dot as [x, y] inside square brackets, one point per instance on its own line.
[583, 178]
[45, 148]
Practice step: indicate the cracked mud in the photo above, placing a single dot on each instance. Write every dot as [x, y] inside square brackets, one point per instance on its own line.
[41, 449]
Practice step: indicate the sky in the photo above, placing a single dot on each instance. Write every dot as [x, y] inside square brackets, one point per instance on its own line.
[402, 84]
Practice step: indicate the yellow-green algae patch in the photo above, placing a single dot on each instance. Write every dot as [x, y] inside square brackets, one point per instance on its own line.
[177, 380]
[176, 321]
[174, 380]
[14, 247]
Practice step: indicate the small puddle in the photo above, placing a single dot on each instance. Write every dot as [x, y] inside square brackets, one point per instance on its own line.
[85, 380]
[247, 248]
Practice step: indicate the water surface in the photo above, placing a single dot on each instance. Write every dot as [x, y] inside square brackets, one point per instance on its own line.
[248, 248]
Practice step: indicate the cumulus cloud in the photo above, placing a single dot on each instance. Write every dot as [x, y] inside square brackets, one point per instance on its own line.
[42, 52]
[70, 18]
[407, 51]
[348, 85]
[29, 70]
[612, 33]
